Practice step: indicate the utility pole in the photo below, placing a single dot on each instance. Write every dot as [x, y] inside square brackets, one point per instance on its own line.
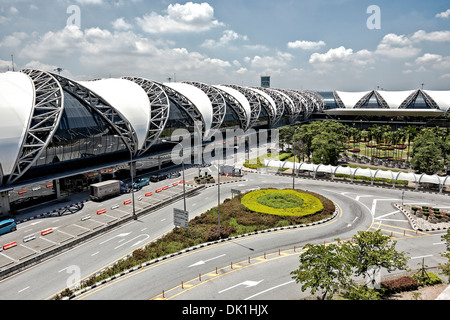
[12, 60]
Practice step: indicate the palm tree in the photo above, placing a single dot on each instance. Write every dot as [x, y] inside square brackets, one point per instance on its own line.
[411, 134]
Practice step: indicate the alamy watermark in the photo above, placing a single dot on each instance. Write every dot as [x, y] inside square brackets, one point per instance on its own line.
[75, 16]
[231, 146]
[374, 21]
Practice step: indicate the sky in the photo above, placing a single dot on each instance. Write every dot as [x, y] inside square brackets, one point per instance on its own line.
[348, 45]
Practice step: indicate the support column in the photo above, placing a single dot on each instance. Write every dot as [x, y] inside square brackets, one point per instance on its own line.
[5, 206]
[57, 187]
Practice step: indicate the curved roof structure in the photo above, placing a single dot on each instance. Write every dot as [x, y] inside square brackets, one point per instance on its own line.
[48, 119]
[199, 100]
[240, 105]
[391, 103]
[129, 99]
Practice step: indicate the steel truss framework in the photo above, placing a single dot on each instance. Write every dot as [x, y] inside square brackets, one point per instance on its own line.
[113, 117]
[160, 109]
[298, 102]
[185, 104]
[218, 102]
[238, 108]
[257, 101]
[430, 102]
[47, 111]
[252, 98]
[279, 102]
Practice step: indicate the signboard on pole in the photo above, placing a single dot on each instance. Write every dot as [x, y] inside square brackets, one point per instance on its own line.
[181, 218]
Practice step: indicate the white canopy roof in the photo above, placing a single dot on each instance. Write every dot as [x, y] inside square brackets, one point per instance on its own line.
[269, 98]
[199, 99]
[129, 99]
[442, 98]
[350, 99]
[395, 98]
[239, 97]
[16, 107]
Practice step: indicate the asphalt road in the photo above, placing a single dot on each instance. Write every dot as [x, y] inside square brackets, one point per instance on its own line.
[254, 267]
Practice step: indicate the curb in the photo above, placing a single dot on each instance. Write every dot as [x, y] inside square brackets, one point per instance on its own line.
[413, 222]
[208, 244]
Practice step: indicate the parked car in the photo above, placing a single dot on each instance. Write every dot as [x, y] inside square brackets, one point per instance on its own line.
[175, 175]
[159, 177]
[7, 226]
[140, 183]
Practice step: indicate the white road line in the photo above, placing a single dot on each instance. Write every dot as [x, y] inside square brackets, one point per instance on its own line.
[23, 289]
[421, 257]
[387, 214]
[94, 254]
[262, 292]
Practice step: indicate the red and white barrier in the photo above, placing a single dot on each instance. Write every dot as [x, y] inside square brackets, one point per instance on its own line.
[101, 212]
[46, 232]
[9, 245]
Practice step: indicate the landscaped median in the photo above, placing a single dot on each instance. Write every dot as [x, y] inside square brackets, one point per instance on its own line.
[290, 208]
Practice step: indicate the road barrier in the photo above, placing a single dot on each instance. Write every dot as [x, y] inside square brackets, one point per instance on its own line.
[127, 202]
[29, 238]
[101, 212]
[46, 232]
[149, 194]
[9, 245]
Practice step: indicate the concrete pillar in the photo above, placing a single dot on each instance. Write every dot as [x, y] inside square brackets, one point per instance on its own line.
[5, 206]
[57, 187]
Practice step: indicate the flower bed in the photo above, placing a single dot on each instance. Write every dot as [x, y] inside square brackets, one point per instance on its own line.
[282, 203]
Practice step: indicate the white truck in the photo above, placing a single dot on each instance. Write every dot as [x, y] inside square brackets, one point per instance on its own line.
[105, 190]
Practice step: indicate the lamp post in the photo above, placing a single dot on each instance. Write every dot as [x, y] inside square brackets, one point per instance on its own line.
[184, 180]
[132, 185]
[293, 169]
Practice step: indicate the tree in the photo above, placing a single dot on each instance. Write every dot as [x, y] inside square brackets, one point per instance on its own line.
[325, 149]
[371, 251]
[427, 153]
[330, 269]
[324, 268]
[445, 267]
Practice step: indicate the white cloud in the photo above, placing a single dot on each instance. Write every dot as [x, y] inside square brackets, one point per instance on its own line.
[306, 45]
[341, 55]
[190, 17]
[397, 46]
[90, 2]
[443, 15]
[281, 59]
[436, 36]
[121, 24]
[227, 37]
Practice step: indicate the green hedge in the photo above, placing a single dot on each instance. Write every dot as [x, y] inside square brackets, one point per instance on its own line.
[308, 204]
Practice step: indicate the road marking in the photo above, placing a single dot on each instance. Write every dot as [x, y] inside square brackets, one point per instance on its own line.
[23, 289]
[118, 236]
[94, 254]
[262, 292]
[388, 214]
[421, 257]
[145, 235]
[204, 262]
[247, 284]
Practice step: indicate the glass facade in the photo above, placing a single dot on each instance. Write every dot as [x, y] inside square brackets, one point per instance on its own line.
[82, 133]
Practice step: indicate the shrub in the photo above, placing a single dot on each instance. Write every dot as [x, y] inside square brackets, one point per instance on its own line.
[311, 205]
[401, 284]
[430, 280]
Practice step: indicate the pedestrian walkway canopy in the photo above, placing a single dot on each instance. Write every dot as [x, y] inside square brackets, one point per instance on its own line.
[372, 174]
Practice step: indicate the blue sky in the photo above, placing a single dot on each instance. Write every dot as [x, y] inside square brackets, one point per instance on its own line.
[316, 45]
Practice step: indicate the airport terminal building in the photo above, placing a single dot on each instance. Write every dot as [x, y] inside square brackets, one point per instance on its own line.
[59, 135]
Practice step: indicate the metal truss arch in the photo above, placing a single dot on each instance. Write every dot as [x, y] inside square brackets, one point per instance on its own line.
[112, 116]
[160, 109]
[186, 105]
[218, 102]
[46, 114]
[255, 103]
[232, 102]
[279, 100]
[299, 108]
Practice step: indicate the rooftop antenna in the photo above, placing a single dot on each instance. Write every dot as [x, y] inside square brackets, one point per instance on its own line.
[12, 60]
[58, 70]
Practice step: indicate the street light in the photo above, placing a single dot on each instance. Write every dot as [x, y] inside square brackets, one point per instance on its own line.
[184, 180]
[293, 151]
